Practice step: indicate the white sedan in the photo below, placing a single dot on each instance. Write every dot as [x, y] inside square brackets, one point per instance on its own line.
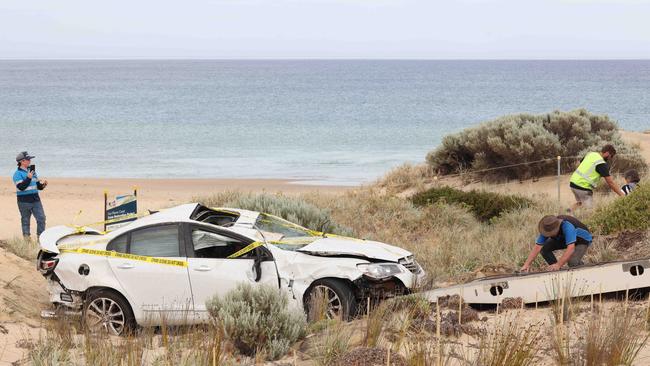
[161, 269]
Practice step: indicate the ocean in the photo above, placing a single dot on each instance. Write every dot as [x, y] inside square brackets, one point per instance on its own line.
[321, 122]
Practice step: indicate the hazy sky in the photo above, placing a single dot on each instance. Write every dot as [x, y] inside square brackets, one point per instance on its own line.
[325, 29]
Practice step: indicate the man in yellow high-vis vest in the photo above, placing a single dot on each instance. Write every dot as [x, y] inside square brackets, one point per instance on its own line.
[592, 167]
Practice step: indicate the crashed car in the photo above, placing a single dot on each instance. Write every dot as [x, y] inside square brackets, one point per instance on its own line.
[162, 268]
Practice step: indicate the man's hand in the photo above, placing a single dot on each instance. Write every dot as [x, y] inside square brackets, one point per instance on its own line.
[524, 268]
[30, 174]
[554, 267]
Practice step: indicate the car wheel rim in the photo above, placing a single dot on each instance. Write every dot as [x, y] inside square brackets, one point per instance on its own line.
[334, 307]
[105, 315]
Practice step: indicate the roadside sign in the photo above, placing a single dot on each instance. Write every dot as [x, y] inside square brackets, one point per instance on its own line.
[120, 210]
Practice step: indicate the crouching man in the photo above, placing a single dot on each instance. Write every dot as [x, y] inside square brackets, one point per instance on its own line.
[556, 233]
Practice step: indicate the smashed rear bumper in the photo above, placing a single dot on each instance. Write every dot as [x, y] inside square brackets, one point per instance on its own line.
[59, 295]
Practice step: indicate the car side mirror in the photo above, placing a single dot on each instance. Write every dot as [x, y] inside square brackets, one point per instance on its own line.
[257, 266]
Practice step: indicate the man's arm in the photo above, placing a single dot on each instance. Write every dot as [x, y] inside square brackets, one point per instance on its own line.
[565, 257]
[22, 185]
[531, 257]
[613, 186]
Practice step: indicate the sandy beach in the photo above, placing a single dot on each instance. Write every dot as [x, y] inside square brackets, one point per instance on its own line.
[67, 198]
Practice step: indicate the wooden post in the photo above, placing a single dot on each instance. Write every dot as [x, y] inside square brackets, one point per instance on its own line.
[559, 172]
[647, 312]
[600, 300]
[105, 208]
[562, 311]
[368, 311]
[627, 295]
[439, 348]
[535, 300]
[135, 194]
[388, 356]
[460, 306]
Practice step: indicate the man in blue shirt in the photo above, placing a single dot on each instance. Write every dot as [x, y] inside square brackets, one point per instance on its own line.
[560, 232]
[27, 187]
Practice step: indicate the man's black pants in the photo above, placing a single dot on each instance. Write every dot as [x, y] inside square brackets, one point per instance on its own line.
[551, 245]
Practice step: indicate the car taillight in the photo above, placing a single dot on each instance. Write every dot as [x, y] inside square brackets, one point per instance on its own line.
[47, 265]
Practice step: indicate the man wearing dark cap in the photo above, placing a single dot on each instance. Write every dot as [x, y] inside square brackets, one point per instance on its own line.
[587, 176]
[556, 233]
[27, 187]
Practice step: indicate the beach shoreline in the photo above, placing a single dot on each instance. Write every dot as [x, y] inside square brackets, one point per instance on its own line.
[80, 200]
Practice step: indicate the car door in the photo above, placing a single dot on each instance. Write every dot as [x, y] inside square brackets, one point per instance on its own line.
[151, 266]
[213, 273]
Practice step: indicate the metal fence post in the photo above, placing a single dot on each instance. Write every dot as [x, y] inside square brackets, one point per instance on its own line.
[559, 172]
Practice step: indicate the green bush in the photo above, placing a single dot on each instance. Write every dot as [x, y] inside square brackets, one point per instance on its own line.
[258, 319]
[292, 209]
[631, 212]
[523, 138]
[484, 205]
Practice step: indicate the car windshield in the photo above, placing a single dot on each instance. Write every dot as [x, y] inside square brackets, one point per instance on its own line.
[285, 234]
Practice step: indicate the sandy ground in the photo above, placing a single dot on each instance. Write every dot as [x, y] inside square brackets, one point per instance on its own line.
[64, 198]
[22, 297]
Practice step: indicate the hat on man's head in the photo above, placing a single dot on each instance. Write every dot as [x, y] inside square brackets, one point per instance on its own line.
[24, 155]
[549, 226]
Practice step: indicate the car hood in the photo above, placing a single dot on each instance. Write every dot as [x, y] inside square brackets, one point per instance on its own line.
[337, 246]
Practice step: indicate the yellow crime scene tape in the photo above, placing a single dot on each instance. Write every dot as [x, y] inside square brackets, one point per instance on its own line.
[142, 258]
[78, 248]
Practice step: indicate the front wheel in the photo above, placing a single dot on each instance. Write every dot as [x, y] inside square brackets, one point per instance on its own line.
[107, 312]
[332, 299]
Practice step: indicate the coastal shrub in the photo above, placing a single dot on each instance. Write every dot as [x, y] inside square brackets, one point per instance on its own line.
[257, 319]
[484, 205]
[293, 209]
[631, 212]
[521, 138]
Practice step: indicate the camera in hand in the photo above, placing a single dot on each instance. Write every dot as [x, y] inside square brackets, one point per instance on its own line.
[32, 168]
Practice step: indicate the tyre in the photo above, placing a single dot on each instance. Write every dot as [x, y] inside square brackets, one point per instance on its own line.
[106, 311]
[332, 299]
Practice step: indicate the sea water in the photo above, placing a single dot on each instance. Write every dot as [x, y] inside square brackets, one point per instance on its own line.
[326, 122]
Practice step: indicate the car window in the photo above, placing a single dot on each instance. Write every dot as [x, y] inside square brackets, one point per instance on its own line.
[272, 224]
[118, 244]
[157, 241]
[208, 244]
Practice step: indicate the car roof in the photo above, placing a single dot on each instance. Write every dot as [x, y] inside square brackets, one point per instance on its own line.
[182, 213]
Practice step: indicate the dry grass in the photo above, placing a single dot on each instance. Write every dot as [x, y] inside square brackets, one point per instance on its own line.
[406, 177]
[448, 241]
[508, 343]
[63, 344]
[22, 247]
[331, 344]
[613, 339]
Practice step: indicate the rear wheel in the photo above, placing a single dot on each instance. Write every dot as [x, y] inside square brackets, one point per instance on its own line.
[106, 311]
[332, 299]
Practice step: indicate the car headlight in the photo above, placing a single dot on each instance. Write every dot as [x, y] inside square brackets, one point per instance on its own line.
[380, 270]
